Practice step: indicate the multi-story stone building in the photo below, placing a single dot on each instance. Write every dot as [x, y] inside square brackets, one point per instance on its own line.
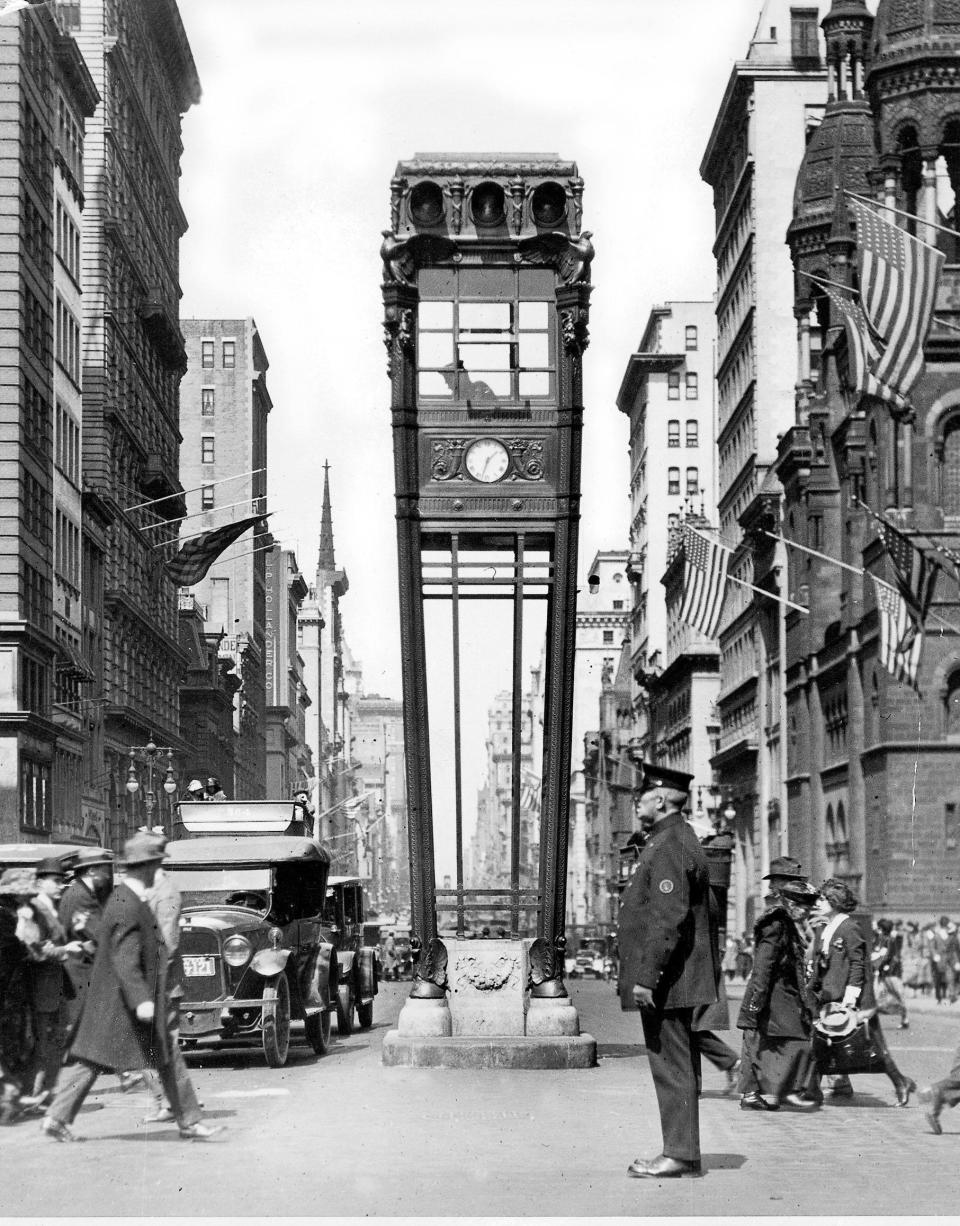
[225, 407]
[773, 103]
[46, 697]
[603, 620]
[133, 359]
[49, 95]
[289, 757]
[873, 764]
[382, 845]
[207, 695]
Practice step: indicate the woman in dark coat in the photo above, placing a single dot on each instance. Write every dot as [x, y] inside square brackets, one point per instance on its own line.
[840, 973]
[776, 1014]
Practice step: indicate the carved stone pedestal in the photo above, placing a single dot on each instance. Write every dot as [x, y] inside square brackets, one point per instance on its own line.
[494, 1021]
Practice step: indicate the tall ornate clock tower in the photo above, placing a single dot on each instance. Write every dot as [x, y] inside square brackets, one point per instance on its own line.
[486, 292]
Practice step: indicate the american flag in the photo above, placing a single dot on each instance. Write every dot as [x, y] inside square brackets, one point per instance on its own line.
[196, 556]
[704, 578]
[529, 791]
[916, 574]
[901, 638]
[862, 348]
[898, 288]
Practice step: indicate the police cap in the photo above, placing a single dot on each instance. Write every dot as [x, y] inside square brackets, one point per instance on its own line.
[663, 777]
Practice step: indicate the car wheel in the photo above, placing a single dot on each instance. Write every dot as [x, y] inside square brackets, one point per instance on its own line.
[317, 1030]
[275, 1022]
[365, 1015]
[345, 1009]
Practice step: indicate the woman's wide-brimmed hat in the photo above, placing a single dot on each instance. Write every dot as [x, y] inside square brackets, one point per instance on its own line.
[800, 891]
[18, 883]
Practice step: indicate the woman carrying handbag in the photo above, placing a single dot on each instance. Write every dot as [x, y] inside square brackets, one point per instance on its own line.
[841, 976]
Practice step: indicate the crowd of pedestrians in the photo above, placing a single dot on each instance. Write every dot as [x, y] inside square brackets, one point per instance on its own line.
[89, 985]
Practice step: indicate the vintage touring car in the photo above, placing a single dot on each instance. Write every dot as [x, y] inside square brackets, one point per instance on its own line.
[255, 954]
[357, 960]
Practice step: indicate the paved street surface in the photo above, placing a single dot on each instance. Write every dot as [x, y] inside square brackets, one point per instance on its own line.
[343, 1136]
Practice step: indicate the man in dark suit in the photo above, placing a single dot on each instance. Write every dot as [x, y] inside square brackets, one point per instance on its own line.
[669, 964]
[124, 1021]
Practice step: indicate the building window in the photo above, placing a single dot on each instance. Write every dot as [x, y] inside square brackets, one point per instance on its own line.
[953, 707]
[673, 480]
[229, 355]
[207, 449]
[206, 497]
[673, 521]
[618, 604]
[693, 433]
[673, 385]
[206, 355]
[673, 434]
[207, 401]
[36, 809]
[804, 30]
[691, 337]
[692, 385]
[608, 636]
[693, 482]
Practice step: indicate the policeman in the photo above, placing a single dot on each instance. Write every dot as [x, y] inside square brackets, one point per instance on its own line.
[669, 964]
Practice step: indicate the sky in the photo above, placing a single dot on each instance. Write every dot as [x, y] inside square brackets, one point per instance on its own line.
[307, 107]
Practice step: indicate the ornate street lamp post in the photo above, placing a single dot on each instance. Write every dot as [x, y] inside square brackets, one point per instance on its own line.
[148, 754]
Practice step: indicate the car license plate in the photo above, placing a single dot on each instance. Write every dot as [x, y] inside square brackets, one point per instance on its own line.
[196, 966]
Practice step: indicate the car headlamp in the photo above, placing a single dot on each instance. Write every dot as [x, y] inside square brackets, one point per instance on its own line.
[237, 951]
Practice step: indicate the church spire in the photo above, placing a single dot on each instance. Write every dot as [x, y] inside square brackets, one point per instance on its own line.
[325, 560]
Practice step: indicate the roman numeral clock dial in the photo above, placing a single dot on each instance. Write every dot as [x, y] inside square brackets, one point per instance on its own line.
[487, 460]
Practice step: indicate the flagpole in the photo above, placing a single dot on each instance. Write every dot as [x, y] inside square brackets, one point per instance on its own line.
[825, 281]
[769, 595]
[889, 208]
[192, 536]
[227, 506]
[195, 489]
[857, 570]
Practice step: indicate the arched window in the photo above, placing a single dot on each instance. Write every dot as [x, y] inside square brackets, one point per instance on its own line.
[911, 173]
[952, 701]
[948, 181]
[841, 827]
[950, 467]
[830, 830]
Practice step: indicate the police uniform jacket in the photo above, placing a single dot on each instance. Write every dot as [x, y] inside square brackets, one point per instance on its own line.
[129, 968]
[775, 999]
[668, 934]
[844, 962]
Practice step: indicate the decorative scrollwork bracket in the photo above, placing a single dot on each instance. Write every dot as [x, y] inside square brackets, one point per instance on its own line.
[574, 329]
[546, 967]
[431, 981]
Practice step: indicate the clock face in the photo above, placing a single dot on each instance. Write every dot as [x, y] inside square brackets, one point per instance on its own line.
[487, 460]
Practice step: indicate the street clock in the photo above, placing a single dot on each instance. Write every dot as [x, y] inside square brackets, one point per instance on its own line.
[486, 287]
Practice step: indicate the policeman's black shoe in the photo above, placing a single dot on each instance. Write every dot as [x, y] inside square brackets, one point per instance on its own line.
[842, 1087]
[904, 1089]
[756, 1102]
[665, 1168]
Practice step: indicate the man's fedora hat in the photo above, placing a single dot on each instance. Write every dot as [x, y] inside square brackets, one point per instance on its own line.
[837, 1021]
[53, 866]
[663, 777]
[786, 867]
[87, 857]
[142, 849]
